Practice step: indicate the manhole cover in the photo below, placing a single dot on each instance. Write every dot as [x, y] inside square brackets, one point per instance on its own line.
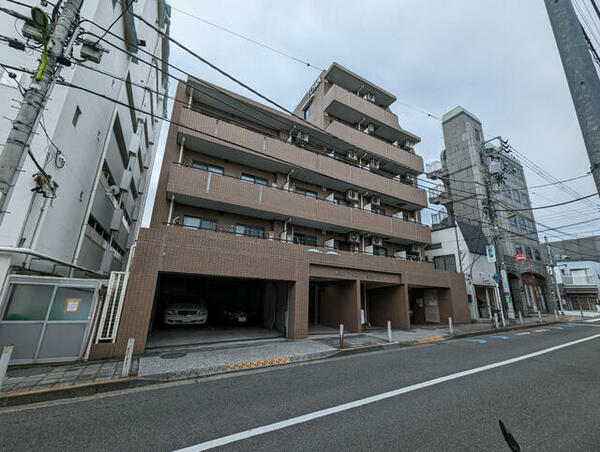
[173, 355]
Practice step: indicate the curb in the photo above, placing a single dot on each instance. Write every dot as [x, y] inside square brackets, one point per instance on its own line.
[98, 387]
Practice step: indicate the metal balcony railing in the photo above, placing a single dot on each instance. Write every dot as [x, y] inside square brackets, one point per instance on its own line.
[583, 280]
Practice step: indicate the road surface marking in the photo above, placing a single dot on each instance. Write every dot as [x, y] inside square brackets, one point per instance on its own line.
[369, 400]
[557, 327]
[259, 363]
[431, 339]
[592, 320]
[524, 332]
[500, 337]
[481, 341]
[541, 330]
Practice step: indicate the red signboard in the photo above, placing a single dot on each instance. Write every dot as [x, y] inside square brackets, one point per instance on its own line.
[520, 257]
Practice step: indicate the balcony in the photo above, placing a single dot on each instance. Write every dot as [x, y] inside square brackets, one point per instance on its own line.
[274, 155]
[439, 195]
[199, 188]
[579, 280]
[435, 170]
[353, 109]
[396, 159]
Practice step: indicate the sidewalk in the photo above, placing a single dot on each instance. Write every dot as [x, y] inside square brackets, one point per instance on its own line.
[39, 382]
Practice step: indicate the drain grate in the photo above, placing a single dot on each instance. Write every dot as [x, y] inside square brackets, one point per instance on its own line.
[173, 355]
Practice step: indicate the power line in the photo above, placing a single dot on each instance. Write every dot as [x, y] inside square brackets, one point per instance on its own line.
[125, 9]
[552, 205]
[254, 41]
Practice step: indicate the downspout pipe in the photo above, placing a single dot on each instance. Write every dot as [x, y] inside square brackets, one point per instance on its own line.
[30, 252]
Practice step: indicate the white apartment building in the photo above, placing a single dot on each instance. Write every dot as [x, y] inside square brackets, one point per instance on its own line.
[463, 249]
[99, 155]
[579, 284]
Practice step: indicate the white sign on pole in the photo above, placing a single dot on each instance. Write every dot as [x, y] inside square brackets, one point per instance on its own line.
[505, 286]
[491, 253]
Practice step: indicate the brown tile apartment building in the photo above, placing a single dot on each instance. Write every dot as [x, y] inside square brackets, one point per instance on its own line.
[308, 220]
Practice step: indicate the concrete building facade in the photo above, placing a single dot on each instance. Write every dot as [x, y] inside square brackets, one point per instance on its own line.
[463, 172]
[579, 285]
[320, 210]
[98, 153]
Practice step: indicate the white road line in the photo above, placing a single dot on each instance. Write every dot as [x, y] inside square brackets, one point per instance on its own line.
[524, 332]
[368, 400]
[592, 320]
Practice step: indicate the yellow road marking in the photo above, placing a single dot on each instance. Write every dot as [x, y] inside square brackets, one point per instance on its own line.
[431, 339]
[259, 363]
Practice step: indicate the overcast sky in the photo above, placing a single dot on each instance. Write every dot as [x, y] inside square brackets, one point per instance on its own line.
[497, 59]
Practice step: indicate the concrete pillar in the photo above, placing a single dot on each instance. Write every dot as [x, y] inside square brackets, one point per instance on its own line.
[340, 303]
[298, 309]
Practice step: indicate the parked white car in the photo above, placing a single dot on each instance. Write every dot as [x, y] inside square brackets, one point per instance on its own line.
[186, 314]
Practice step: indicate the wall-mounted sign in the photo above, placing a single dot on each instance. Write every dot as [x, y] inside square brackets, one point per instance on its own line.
[72, 305]
[491, 253]
[520, 257]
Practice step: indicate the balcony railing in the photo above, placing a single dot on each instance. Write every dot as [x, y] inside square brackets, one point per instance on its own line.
[583, 280]
[317, 247]
[227, 133]
[266, 198]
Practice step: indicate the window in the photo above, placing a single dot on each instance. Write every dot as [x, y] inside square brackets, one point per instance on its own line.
[308, 110]
[378, 210]
[524, 198]
[340, 201]
[76, 116]
[341, 245]
[522, 223]
[518, 248]
[118, 133]
[199, 223]
[507, 192]
[307, 193]
[250, 231]
[447, 263]
[477, 135]
[379, 251]
[528, 252]
[537, 255]
[254, 179]
[131, 103]
[304, 239]
[206, 167]
[513, 221]
[516, 196]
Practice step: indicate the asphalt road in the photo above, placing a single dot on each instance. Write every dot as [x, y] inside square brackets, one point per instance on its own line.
[549, 402]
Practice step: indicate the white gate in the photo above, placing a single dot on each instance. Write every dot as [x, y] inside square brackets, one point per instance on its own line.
[113, 304]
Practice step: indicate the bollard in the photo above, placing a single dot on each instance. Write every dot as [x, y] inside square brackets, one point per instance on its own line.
[450, 326]
[341, 335]
[127, 359]
[521, 318]
[496, 320]
[581, 314]
[540, 315]
[4, 359]
[556, 315]
[389, 328]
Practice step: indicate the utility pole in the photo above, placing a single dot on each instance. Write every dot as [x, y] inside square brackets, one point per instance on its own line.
[36, 95]
[552, 275]
[581, 76]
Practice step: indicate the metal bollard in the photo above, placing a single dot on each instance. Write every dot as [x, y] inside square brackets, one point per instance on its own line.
[4, 359]
[540, 315]
[341, 335]
[389, 329]
[496, 320]
[450, 325]
[556, 315]
[128, 355]
[521, 318]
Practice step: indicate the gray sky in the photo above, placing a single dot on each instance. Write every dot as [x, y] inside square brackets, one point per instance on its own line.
[496, 58]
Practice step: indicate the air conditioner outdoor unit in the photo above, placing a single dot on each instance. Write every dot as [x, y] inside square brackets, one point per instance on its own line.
[329, 243]
[351, 155]
[399, 215]
[374, 164]
[400, 254]
[352, 195]
[370, 128]
[270, 235]
[414, 248]
[376, 200]
[376, 241]
[353, 237]
[411, 179]
[286, 237]
[370, 97]
[409, 145]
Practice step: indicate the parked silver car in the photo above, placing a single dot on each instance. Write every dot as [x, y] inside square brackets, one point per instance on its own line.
[186, 314]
